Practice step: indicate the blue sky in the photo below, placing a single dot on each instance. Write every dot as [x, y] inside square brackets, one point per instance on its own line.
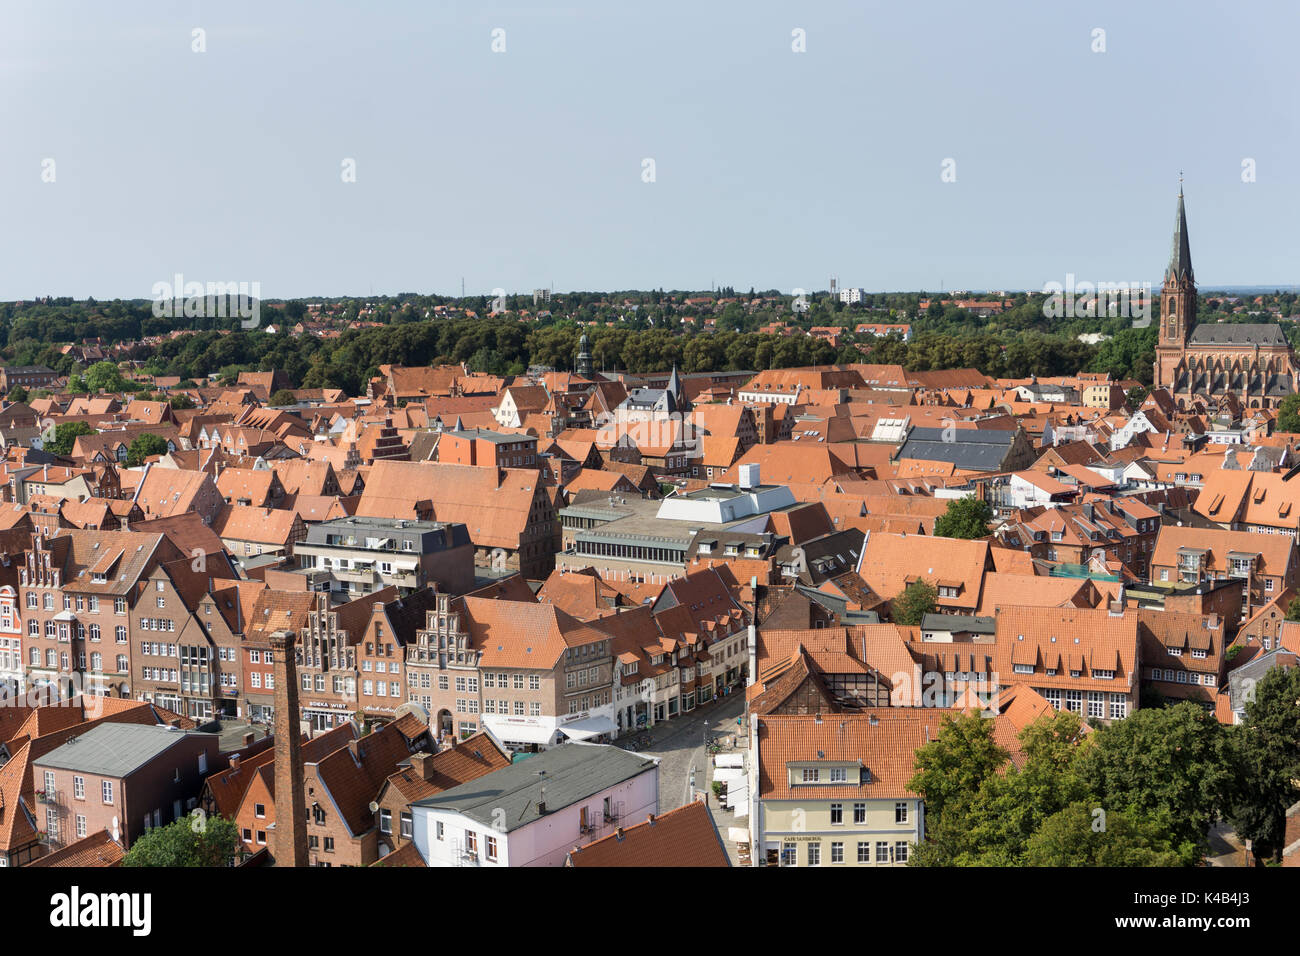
[524, 168]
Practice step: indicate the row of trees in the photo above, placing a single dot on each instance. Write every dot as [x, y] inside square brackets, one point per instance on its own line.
[502, 346]
[1020, 342]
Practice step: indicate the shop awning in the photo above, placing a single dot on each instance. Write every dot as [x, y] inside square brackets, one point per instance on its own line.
[589, 727]
[508, 732]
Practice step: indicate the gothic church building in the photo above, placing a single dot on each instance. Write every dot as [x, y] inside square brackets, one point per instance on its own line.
[1253, 362]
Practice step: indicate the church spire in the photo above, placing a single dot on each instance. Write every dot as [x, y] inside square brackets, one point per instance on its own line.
[1180, 258]
[675, 385]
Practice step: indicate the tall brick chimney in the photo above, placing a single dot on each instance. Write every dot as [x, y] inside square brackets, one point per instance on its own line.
[289, 836]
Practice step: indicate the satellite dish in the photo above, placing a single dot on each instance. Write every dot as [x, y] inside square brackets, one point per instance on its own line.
[411, 707]
[374, 807]
[116, 831]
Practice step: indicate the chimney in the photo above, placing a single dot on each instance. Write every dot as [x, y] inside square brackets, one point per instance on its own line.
[289, 836]
[422, 764]
[234, 761]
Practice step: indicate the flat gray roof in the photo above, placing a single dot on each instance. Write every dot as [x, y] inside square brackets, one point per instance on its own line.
[570, 772]
[498, 438]
[113, 750]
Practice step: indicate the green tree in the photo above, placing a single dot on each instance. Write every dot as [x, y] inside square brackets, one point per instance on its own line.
[1170, 765]
[105, 376]
[181, 401]
[283, 397]
[917, 600]
[956, 763]
[190, 841]
[965, 518]
[65, 436]
[144, 446]
[992, 825]
[1266, 764]
[19, 394]
[1083, 835]
[1288, 414]
[1293, 609]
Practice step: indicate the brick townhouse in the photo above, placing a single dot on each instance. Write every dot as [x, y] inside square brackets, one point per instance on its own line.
[82, 596]
[327, 658]
[122, 777]
[273, 611]
[1264, 563]
[522, 668]
[245, 793]
[176, 659]
[381, 652]
[342, 830]
[423, 775]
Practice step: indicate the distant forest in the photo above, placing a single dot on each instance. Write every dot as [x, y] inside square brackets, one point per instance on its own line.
[647, 335]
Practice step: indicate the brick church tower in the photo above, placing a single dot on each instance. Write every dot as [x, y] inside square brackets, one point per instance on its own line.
[1178, 295]
[289, 835]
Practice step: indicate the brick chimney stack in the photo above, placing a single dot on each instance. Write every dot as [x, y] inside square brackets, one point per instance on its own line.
[422, 765]
[289, 837]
